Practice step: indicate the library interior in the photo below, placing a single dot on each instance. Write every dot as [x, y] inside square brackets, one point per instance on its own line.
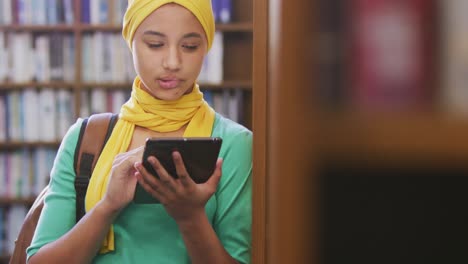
[358, 111]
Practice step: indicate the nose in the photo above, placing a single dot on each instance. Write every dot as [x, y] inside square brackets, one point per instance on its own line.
[172, 60]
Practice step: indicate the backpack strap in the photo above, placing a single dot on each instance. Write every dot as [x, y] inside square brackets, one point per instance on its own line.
[94, 133]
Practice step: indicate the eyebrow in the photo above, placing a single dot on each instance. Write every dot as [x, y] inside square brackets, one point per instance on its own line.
[157, 33]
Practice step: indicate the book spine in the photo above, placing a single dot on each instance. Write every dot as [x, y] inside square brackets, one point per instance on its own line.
[225, 11]
[389, 62]
[85, 11]
[331, 39]
[454, 56]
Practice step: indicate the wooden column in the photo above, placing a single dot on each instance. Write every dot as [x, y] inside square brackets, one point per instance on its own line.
[284, 181]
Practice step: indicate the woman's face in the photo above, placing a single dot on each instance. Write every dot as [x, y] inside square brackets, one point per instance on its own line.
[168, 51]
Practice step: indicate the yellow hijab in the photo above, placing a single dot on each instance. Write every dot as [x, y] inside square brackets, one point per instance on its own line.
[146, 111]
[138, 10]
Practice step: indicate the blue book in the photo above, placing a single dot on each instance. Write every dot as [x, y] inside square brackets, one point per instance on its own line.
[85, 12]
[103, 12]
[8, 114]
[2, 231]
[225, 11]
[21, 9]
[208, 96]
[216, 12]
[68, 10]
[52, 18]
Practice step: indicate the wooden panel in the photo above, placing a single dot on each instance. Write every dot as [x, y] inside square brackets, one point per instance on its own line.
[242, 10]
[259, 125]
[291, 183]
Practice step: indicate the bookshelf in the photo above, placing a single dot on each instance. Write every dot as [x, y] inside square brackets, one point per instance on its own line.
[237, 71]
[297, 132]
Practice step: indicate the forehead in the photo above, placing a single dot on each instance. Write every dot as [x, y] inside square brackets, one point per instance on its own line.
[171, 17]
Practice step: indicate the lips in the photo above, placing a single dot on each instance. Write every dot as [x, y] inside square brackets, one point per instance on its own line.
[169, 83]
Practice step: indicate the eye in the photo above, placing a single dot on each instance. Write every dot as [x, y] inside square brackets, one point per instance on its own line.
[190, 47]
[155, 45]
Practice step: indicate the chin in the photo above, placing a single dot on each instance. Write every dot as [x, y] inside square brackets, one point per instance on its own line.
[167, 95]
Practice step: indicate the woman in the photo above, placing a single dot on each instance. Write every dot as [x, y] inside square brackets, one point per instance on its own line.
[196, 223]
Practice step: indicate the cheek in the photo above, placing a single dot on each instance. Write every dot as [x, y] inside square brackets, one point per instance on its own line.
[196, 62]
[144, 60]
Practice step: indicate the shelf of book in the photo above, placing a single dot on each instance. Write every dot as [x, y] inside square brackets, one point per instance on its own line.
[66, 81]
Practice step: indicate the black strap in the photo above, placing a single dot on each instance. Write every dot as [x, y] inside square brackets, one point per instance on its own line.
[86, 166]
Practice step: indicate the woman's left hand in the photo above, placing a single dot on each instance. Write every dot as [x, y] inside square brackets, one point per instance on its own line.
[182, 197]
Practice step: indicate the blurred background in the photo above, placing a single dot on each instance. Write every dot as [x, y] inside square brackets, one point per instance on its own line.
[392, 93]
[366, 161]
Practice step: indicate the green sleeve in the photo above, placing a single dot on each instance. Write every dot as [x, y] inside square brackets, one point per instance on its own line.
[233, 218]
[58, 214]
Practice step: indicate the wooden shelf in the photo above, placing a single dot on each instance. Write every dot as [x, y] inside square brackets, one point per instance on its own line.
[101, 27]
[228, 27]
[17, 86]
[17, 145]
[38, 28]
[22, 201]
[404, 138]
[235, 27]
[245, 85]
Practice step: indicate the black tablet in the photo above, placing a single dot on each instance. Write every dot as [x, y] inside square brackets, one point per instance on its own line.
[198, 153]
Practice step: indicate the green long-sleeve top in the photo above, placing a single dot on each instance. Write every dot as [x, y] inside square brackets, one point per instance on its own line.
[145, 232]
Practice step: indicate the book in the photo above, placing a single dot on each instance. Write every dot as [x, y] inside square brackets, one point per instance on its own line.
[4, 67]
[3, 178]
[2, 231]
[64, 110]
[3, 119]
[85, 11]
[14, 219]
[47, 111]
[68, 11]
[330, 55]
[215, 57]
[42, 164]
[85, 109]
[225, 11]
[20, 45]
[390, 54]
[119, 97]
[454, 56]
[30, 112]
[7, 11]
[42, 59]
[98, 101]
[51, 10]
[13, 114]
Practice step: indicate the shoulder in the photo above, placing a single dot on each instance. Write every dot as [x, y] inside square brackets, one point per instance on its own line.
[229, 130]
[236, 138]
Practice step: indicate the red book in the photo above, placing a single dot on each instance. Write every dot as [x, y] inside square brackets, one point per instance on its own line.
[390, 62]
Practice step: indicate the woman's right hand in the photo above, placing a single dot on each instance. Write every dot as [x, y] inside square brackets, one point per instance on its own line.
[122, 181]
